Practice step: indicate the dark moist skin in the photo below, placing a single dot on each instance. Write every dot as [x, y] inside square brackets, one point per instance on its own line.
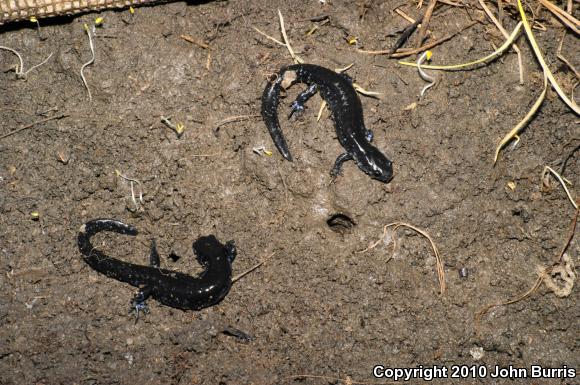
[171, 288]
[337, 90]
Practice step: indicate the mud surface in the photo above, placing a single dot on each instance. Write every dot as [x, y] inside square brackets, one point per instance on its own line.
[318, 307]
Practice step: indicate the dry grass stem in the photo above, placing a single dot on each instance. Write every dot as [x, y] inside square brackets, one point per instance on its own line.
[570, 235]
[132, 181]
[295, 57]
[195, 41]
[361, 90]
[403, 52]
[208, 61]
[404, 16]
[564, 268]
[566, 18]
[510, 135]
[562, 182]
[91, 61]
[269, 37]
[321, 110]
[539, 56]
[496, 53]
[20, 73]
[480, 313]
[439, 263]
[562, 58]
[507, 36]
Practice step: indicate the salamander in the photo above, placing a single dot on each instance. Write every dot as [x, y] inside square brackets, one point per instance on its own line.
[171, 288]
[346, 108]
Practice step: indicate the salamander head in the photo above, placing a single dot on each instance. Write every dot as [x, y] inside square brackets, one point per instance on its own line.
[376, 165]
[208, 249]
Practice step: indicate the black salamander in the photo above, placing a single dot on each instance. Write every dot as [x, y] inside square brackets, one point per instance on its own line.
[345, 105]
[171, 288]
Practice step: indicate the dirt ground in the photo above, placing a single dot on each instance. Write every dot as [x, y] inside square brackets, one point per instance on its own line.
[318, 307]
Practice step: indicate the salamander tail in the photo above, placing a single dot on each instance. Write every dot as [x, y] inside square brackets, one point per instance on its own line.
[270, 101]
[95, 226]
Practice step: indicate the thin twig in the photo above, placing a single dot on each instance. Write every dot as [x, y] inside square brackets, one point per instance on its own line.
[243, 274]
[561, 57]
[425, 23]
[232, 119]
[408, 52]
[33, 124]
[566, 18]
[461, 66]
[269, 37]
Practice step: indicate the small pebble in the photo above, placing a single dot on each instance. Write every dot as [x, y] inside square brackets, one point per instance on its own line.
[477, 353]
[463, 272]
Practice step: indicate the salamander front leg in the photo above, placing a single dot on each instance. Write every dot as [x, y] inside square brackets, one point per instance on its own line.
[369, 135]
[154, 255]
[337, 168]
[298, 104]
[138, 303]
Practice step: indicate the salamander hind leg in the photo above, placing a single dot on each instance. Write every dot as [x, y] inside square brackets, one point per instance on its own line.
[298, 104]
[337, 168]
